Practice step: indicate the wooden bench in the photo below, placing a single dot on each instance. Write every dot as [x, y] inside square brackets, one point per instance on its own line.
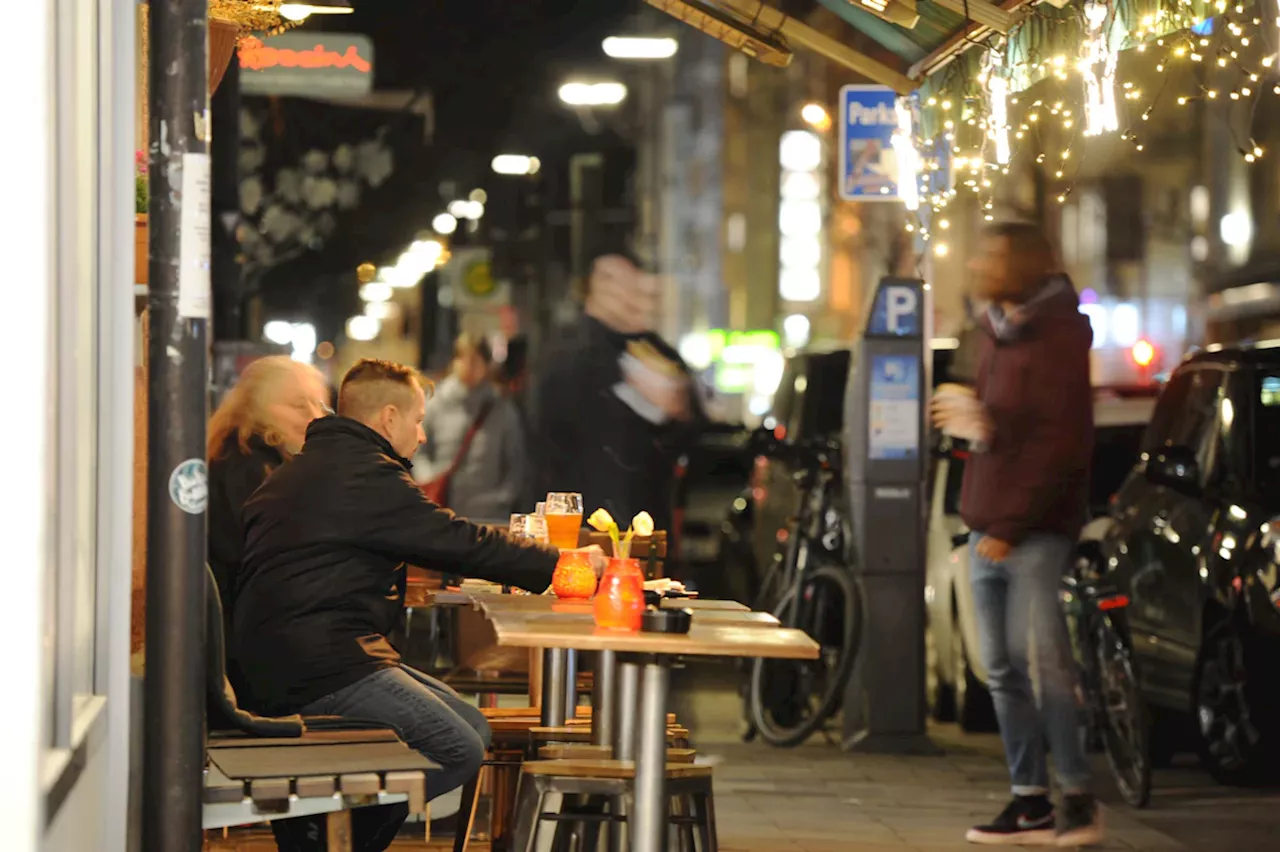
[259, 769]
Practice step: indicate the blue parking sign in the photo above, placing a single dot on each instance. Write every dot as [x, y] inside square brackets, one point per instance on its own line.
[868, 164]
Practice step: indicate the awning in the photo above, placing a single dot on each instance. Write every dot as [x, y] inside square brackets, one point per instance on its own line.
[944, 38]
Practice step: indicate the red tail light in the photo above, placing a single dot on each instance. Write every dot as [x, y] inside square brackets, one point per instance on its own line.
[1143, 353]
[1113, 602]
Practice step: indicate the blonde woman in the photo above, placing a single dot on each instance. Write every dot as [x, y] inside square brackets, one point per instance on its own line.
[261, 423]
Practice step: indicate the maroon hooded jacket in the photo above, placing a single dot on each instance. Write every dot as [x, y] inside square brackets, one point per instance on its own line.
[1033, 380]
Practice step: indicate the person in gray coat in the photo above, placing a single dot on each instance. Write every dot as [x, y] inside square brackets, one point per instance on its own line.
[489, 476]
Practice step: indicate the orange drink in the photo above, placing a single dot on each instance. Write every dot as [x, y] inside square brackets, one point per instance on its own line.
[564, 519]
[562, 530]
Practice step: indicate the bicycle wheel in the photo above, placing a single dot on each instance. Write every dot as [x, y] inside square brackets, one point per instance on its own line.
[1125, 729]
[791, 699]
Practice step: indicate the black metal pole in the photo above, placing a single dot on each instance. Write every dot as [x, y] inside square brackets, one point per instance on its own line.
[177, 407]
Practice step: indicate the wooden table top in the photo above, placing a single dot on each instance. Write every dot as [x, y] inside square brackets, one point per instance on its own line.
[706, 638]
[582, 611]
[487, 601]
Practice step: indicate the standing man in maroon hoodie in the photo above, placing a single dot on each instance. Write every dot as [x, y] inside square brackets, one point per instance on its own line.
[1025, 496]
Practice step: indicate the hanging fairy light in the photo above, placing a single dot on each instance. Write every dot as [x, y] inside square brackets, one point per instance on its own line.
[998, 105]
[1099, 88]
[908, 158]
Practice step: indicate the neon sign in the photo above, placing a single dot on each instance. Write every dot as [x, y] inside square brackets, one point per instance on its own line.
[307, 65]
[255, 56]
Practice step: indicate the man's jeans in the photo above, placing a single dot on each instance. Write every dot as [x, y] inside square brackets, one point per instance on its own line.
[1019, 612]
[427, 715]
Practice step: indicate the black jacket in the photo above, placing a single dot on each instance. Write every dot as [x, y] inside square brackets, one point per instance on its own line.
[326, 539]
[590, 441]
[233, 477]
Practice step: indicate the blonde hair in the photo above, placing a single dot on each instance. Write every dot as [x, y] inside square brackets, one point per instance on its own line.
[373, 383]
[243, 411]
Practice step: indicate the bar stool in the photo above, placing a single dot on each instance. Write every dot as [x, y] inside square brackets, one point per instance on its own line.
[608, 788]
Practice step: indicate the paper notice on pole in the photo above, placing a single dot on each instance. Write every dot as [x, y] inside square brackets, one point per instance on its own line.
[195, 240]
[894, 431]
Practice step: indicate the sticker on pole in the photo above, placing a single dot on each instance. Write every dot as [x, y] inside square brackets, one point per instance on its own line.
[189, 486]
[194, 239]
[868, 162]
[894, 432]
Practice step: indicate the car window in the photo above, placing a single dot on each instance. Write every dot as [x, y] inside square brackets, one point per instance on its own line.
[1189, 415]
[1266, 430]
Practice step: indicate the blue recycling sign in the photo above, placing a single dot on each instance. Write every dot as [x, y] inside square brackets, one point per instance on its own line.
[868, 163]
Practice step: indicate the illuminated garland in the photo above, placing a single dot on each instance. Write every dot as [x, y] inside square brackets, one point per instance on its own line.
[966, 110]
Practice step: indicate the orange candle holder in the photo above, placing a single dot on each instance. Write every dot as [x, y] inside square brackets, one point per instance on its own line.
[619, 603]
[574, 577]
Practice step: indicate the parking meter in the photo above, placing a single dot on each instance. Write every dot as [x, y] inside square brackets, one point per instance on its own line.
[885, 445]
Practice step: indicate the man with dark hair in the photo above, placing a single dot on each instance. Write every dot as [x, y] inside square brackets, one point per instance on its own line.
[326, 540]
[613, 405]
[1025, 494]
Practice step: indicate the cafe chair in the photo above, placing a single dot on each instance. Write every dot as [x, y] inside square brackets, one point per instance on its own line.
[651, 550]
[602, 793]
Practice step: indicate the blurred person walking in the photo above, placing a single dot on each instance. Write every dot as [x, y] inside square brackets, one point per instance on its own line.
[613, 405]
[474, 458]
[1029, 421]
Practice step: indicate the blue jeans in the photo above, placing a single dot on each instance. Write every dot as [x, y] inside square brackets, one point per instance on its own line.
[1018, 611]
[427, 714]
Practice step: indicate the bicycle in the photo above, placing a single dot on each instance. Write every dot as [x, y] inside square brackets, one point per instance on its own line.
[808, 586]
[1117, 721]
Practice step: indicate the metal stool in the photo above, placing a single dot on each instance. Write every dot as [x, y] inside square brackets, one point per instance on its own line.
[601, 792]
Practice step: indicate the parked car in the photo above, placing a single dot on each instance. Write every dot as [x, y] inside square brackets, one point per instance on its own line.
[708, 477]
[1194, 543]
[955, 677]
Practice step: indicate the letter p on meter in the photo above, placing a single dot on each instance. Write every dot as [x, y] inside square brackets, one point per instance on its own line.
[901, 302]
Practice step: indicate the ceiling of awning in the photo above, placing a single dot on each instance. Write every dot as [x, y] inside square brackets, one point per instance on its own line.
[936, 26]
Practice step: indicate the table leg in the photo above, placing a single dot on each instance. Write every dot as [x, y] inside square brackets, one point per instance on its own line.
[553, 690]
[570, 683]
[603, 684]
[649, 824]
[627, 706]
[624, 738]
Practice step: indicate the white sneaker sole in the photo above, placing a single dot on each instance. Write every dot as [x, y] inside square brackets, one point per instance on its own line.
[1041, 837]
[1089, 835]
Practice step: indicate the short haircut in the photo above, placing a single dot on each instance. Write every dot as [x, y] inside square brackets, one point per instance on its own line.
[1026, 240]
[373, 383]
[476, 343]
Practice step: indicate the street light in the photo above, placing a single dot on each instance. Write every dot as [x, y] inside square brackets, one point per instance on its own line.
[593, 94]
[445, 223]
[516, 164]
[640, 47]
[816, 116]
[363, 327]
[298, 12]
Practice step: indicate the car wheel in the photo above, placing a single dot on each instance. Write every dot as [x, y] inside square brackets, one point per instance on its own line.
[974, 710]
[1234, 712]
[940, 694]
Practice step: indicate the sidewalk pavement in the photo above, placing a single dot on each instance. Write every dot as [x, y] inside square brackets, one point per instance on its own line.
[819, 799]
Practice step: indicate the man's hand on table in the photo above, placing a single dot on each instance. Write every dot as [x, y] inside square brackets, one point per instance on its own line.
[598, 560]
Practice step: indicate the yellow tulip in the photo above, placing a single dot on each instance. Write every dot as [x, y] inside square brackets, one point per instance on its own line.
[642, 524]
[601, 521]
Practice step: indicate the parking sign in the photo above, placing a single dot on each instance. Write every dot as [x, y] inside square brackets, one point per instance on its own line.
[868, 163]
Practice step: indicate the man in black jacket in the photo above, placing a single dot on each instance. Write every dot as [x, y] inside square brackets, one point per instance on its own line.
[326, 539]
[613, 404]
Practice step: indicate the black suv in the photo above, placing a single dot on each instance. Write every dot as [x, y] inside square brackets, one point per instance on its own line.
[1193, 546]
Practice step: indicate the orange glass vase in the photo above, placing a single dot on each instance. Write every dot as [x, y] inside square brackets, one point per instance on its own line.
[574, 577]
[619, 602]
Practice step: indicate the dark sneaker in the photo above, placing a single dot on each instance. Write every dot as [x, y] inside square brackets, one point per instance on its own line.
[1026, 821]
[1081, 823]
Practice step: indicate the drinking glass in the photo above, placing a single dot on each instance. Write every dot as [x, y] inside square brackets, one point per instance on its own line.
[529, 526]
[564, 519]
